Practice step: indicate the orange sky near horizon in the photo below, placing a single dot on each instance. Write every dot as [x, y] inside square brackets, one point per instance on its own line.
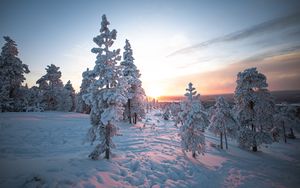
[282, 71]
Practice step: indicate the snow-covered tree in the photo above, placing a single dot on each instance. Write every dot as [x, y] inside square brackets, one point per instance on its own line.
[52, 88]
[254, 109]
[194, 122]
[70, 96]
[136, 94]
[175, 109]
[44, 92]
[154, 104]
[147, 103]
[107, 92]
[12, 72]
[66, 98]
[222, 122]
[64, 101]
[167, 113]
[81, 106]
[285, 120]
[20, 100]
[32, 102]
[53, 77]
[293, 115]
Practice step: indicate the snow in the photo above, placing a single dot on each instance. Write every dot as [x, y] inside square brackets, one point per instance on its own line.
[46, 149]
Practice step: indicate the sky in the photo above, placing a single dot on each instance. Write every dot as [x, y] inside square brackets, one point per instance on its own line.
[174, 42]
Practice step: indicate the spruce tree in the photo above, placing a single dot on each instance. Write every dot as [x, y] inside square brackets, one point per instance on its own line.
[175, 109]
[81, 106]
[33, 100]
[222, 122]
[194, 121]
[167, 114]
[12, 72]
[136, 95]
[51, 88]
[70, 95]
[285, 121]
[107, 92]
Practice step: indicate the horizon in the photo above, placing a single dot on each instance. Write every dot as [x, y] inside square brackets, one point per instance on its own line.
[174, 98]
[173, 42]
[297, 90]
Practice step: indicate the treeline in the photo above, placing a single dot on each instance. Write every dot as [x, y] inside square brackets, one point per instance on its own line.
[50, 94]
[253, 120]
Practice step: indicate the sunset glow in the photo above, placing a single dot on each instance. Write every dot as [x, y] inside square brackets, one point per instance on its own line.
[155, 93]
[204, 43]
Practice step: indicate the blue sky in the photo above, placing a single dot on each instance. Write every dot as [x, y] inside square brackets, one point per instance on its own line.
[165, 36]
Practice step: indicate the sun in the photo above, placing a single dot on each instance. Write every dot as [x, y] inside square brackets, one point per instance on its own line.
[154, 92]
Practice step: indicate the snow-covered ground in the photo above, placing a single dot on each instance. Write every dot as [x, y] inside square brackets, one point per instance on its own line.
[47, 150]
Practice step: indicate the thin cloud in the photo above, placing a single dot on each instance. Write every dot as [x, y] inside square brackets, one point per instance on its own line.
[282, 71]
[273, 53]
[269, 26]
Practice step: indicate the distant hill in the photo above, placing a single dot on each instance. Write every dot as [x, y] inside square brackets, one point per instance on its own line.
[279, 96]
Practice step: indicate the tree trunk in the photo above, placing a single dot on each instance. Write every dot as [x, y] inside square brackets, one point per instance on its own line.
[129, 111]
[107, 138]
[254, 147]
[225, 136]
[292, 134]
[194, 154]
[221, 140]
[284, 133]
[135, 118]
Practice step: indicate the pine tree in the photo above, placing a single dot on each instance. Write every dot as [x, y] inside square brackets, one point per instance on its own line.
[81, 106]
[194, 122]
[12, 72]
[153, 104]
[222, 122]
[52, 88]
[64, 101]
[175, 110]
[254, 109]
[167, 113]
[22, 102]
[107, 92]
[285, 120]
[32, 100]
[136, 94]
[71, 96]
[293, 114]
[44, 93]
